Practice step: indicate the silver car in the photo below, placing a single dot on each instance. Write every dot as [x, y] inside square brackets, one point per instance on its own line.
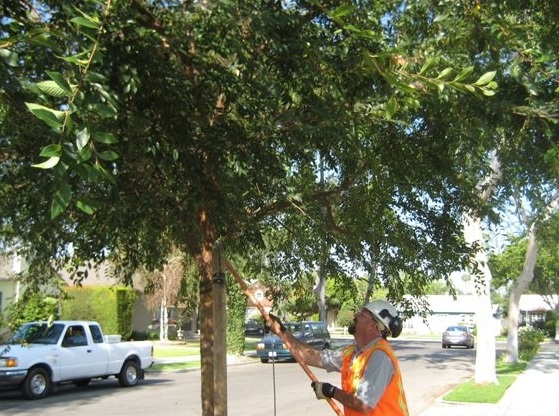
[458, 335]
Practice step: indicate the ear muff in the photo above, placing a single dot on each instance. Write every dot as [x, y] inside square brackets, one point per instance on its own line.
[395, 324]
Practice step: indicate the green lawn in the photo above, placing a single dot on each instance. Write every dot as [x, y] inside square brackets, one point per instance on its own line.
[178, 350]
[469, 392]
[175, 366]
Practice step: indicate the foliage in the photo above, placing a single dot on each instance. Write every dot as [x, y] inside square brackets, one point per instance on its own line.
[107, 139]
[33, 306]
[302, 135]
[236, 311]
[111, 307]
[529, 342]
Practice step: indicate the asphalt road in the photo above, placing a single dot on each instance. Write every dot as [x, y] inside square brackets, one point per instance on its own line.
[281, 389]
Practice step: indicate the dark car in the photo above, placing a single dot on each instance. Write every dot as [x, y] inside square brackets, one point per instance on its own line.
[253, 327]
[314, 333]
[458, 335]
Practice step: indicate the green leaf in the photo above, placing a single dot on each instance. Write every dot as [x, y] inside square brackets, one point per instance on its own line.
[86, 22]
[104, 137]
[84, 154]
[465, 73]
[391, 107]
[9, 57]
[89, 207]
[49, 116]
[60, 81]
[51, 88]
[61, 200]
[440, 18]
[427, 65]
[51, 150]
[82, 138]
[104, 111]
[485, 78]
[108, 155]
[444, 73]
[342, 11]
[47, 164]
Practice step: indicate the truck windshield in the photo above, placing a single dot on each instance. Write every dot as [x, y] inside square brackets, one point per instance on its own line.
[38, 333]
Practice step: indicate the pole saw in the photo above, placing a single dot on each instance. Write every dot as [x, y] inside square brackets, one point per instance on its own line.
[282, 336]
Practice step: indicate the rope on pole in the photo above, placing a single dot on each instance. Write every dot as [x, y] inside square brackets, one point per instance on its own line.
[282, 336]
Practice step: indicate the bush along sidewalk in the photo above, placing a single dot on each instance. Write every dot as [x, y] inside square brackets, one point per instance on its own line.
[469, 392]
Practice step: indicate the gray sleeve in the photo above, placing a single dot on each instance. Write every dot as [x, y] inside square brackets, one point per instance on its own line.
[377, 376]
[331, 360]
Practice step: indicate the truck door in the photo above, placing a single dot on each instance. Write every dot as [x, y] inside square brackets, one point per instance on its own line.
[73, 358]
[98, 353]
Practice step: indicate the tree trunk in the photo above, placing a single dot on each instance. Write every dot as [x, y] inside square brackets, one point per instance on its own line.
[524, 280]
[220, 331]
[320, 292]
[485, 372]
[207, 364]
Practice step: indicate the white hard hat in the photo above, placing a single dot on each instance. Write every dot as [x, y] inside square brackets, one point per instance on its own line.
[387, 314]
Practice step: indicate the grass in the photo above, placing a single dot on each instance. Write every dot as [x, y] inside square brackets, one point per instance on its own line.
[187, 349]
[175, 351]
[175, 366]
[469, 392]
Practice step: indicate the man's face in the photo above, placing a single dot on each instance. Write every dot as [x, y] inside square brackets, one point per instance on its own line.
[361, 319]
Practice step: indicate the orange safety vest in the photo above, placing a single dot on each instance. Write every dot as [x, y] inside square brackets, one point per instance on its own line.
[393, 401]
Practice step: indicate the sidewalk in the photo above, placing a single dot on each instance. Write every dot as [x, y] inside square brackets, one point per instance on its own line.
[534, 393]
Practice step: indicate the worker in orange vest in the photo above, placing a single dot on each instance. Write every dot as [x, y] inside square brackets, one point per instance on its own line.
[371, 380]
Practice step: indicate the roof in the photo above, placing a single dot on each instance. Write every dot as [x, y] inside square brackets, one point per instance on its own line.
[538, 302]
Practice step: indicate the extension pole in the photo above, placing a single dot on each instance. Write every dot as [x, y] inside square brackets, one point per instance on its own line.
[282, 336]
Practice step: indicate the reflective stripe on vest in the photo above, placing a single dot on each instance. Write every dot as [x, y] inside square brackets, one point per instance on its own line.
[393, 401]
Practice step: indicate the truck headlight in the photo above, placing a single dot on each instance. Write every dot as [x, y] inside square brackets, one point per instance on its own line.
[8, 362]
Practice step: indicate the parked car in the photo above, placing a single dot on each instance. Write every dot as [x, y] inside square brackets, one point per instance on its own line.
[314, 333]
[253, 327]
[458, 335]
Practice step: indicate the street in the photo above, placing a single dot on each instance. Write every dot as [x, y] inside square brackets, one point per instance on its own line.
[280, 389]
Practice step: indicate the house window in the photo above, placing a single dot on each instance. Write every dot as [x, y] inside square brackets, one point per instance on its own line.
[259, 295]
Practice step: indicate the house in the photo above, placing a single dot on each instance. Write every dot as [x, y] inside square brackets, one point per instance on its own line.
[444, 311]
[533, 308]
[10, 266]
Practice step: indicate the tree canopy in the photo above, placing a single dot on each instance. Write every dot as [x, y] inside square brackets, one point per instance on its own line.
[350, 135]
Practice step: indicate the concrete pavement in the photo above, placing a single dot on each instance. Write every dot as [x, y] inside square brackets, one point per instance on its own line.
[535, 392]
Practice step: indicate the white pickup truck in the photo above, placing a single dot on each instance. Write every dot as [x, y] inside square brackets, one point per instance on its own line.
[42, 355]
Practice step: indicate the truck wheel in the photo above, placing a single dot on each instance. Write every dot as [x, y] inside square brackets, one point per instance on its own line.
[129, 374]
[37, 384]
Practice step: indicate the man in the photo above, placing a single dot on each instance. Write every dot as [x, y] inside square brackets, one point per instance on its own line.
[371, 380]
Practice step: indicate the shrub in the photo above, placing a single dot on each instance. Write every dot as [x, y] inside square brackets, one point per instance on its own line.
[529, 342]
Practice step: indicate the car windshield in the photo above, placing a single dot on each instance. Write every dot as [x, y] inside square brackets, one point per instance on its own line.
[294, 327]
[38, 333]
[457, 329]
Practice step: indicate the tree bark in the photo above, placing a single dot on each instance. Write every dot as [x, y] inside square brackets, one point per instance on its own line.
[207, 365]
[485, 352]
[524, 280]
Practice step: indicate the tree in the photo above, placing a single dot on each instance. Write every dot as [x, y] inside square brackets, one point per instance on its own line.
[173, 124]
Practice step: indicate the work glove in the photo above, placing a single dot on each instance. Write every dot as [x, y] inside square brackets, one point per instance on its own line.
[323, 390]
[276, 326]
